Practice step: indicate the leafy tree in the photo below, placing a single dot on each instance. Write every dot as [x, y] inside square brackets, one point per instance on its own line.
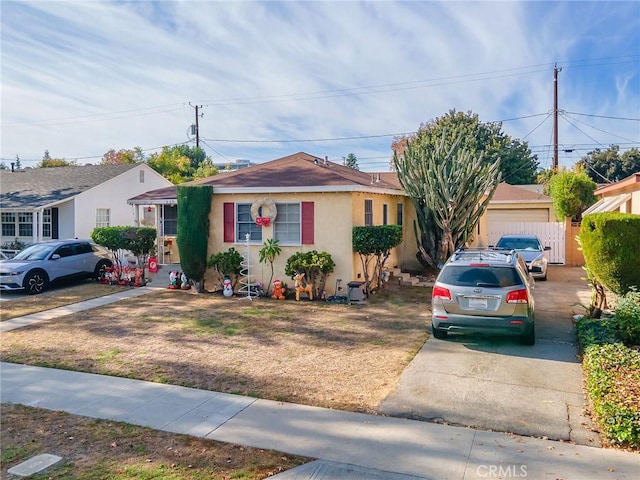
[48, 162]
[608, 165]
[18, 162]
[268, 253]
[572, 193]
[352, 161]
[194, 205]
[544, 178]
[374, 244]
[446, 184]
[181, 163]
[205, 169]
[517, 164]
[123, 157]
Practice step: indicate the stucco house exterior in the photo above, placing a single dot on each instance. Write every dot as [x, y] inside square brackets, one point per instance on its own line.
[622, 196]
[317, 204]
[39, 204]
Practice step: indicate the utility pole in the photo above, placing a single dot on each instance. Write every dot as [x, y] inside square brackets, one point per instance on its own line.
[197, 128]
[555, 117]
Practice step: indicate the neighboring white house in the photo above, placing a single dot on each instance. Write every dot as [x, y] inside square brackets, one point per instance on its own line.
[69, 202]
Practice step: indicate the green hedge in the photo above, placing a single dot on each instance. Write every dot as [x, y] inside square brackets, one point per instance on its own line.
[612, 376]
[609, 242]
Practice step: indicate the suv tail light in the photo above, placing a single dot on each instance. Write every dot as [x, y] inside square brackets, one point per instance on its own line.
[441, 292]
[518, 296]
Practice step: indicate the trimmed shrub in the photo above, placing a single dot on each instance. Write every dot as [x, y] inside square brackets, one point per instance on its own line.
[226, 264]
[316, 266]
[612, 373]
[374, 244]
[609, 242]
[194, 205]
[627, 319]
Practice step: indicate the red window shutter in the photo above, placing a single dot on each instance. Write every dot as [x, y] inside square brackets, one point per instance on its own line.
[307, 223]
[229, 222]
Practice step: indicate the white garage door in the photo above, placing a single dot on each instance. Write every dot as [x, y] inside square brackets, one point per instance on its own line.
[522, 215]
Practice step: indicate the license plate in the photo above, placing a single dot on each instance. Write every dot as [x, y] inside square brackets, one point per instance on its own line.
[475, 302]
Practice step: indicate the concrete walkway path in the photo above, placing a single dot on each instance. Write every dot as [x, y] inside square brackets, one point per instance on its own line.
[348, 446]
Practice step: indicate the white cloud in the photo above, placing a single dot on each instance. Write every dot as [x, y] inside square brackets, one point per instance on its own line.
[77, 76]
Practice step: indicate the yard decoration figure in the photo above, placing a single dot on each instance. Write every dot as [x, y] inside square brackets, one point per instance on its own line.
[302, 286]
[138, 276]
[278, 290]
[184, 283]
[173, 280]
[227, 289]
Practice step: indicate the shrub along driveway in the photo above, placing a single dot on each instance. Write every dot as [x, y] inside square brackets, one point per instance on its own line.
[498, 384]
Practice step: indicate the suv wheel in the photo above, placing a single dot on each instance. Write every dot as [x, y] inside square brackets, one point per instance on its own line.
[437, 333]
[36, 282]
[529, 337]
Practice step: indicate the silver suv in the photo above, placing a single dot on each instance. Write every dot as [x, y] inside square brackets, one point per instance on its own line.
[484, 291]
[33, 268]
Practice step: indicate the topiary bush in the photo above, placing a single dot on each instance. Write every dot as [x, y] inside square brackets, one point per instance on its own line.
[609, 243]
[627, 319]
[226, 264]
[316, 266]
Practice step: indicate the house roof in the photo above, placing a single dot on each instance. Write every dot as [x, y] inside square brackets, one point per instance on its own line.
[629, 184]
[38, 187]
[299, 172]
[515, 193]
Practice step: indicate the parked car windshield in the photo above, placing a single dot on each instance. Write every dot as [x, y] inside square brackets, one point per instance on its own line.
[519, 244]
[472, 276]
[34, 252]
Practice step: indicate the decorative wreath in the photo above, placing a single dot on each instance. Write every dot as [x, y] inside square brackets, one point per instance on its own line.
[268, 209]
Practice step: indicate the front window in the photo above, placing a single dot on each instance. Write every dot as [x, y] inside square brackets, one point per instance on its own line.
[246, 225]
[399, 214]
[368, 212]
[25, 224]
[287, 225]
[8, 224]
[103, 217]
[385, 214]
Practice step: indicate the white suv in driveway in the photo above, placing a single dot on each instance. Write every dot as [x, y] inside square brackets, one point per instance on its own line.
[39, 264]
[530, 249]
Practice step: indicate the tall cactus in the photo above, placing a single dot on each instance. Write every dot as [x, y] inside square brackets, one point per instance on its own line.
[446, 186]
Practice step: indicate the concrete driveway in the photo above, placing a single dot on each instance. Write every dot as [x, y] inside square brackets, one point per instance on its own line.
[497, 384]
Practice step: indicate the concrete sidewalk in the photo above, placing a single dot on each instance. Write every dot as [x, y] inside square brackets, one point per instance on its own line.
[349, 445]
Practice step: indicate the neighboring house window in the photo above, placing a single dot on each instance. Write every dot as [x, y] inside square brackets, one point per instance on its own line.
[368, 212]
[385, 214]
[46, 223]
[102, 217]
[287, 227]
[25, 224]
[141, 176]
[170, 219]
[8, 224]
[245, 224]
[399, 214]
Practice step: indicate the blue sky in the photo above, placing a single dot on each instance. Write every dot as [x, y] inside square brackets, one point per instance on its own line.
[328, 78]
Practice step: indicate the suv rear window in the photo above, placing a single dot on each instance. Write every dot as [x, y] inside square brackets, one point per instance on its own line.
[473, 276]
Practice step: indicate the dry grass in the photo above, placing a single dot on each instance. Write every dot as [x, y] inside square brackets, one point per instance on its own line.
[98, 450]
[329, 355]
[19, 304]
[314, 353]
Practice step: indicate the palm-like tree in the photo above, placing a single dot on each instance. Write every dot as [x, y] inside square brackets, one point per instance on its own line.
[268, 253]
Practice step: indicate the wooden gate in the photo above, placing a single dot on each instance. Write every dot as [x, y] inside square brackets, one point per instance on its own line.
[551, 234]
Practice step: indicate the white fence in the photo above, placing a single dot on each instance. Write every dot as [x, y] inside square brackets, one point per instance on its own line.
[551, 234]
